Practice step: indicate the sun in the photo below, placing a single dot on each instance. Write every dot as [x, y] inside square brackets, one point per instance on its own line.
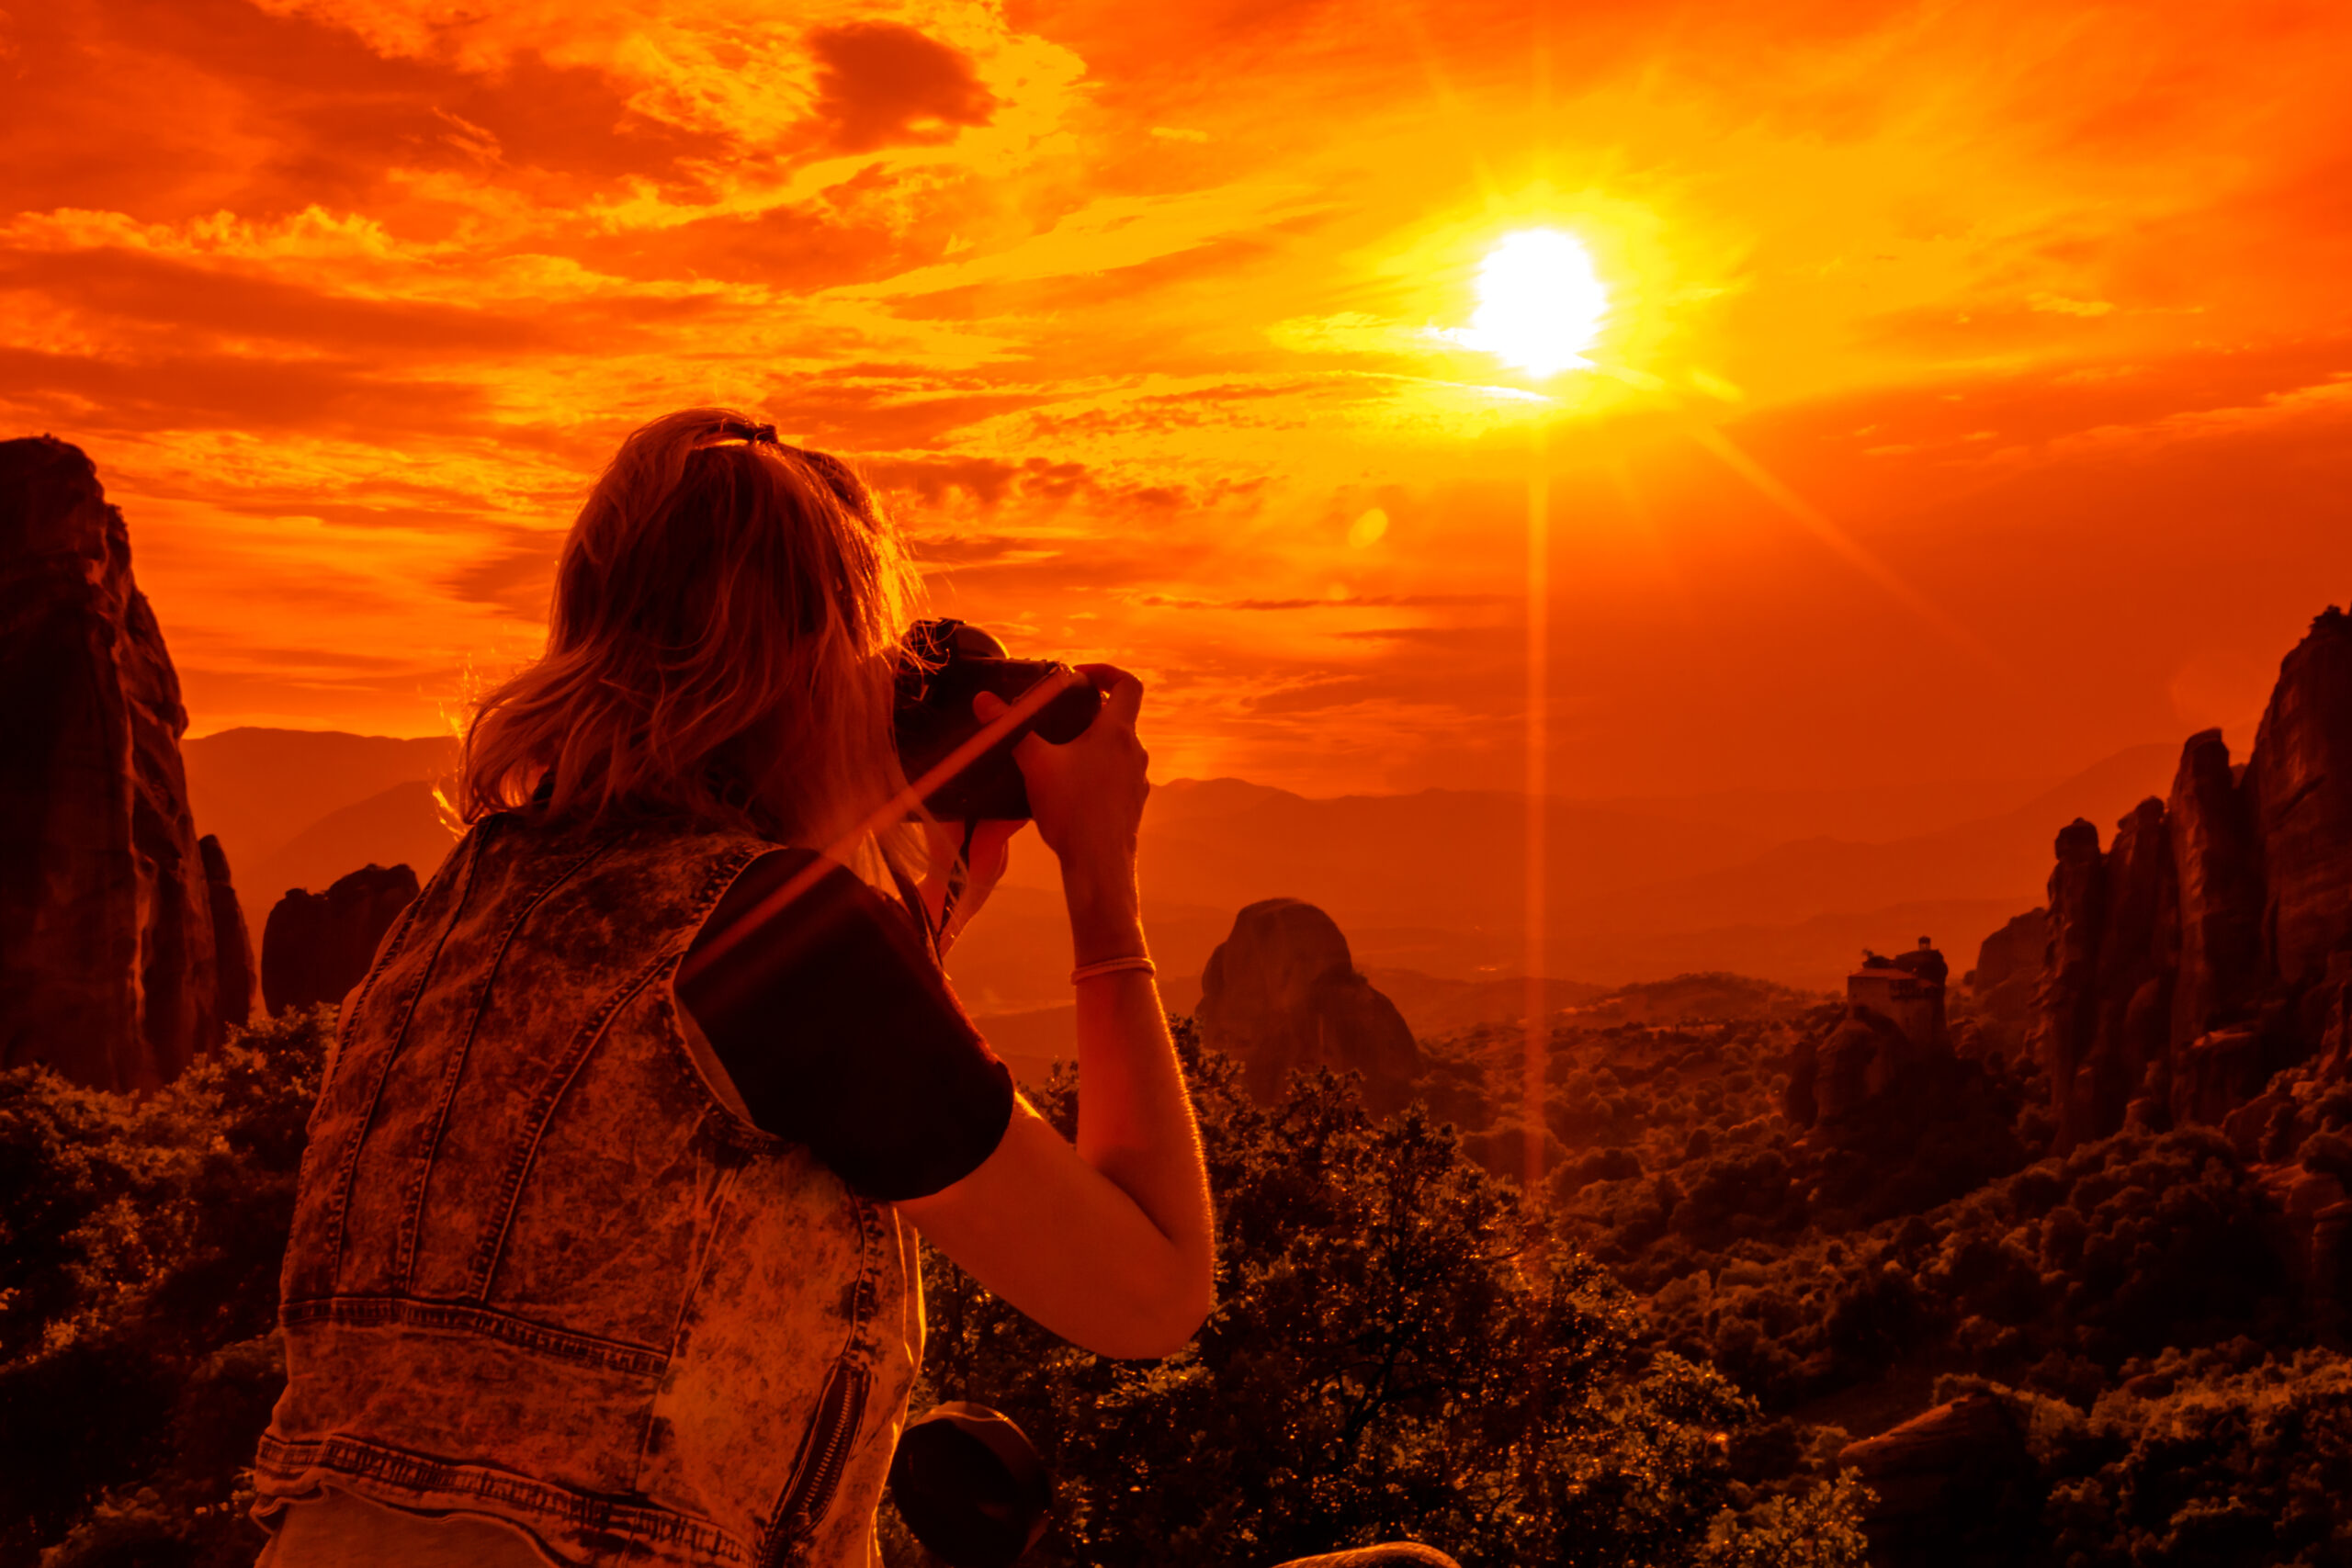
[1540, 303]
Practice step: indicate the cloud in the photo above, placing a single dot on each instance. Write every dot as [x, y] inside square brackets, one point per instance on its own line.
[1335, 601]
[227, 392]
[1130, 314]
[880, 84]
[130, 286]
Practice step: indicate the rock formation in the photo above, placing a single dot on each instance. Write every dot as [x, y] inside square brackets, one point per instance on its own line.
[2299, 791]
[1282, 994]
[2136, 946]
[232, 947]
[2218, 869]
[2210, 946]
[1894, 1119]
[2069, 1000]
[1954, 1478]
[1832, 1080]
[2008, 973]
[106, 915]
[316, 946]
[1893, 1026]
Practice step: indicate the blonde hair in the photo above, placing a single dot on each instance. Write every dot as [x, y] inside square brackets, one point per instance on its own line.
[721, 645]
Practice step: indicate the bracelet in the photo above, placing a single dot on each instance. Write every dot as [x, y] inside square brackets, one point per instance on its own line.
[1112, 967]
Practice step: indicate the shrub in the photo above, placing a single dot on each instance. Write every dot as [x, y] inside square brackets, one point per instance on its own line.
[140, 1243]
[1388, 1359]
[2224, 1458]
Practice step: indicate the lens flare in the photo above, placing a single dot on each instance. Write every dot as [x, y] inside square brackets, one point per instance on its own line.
[1540, 303]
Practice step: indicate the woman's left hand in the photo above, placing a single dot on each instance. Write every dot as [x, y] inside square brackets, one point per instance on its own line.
[992, 852]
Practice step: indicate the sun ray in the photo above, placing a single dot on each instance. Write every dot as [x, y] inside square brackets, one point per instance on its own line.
[1762, 482]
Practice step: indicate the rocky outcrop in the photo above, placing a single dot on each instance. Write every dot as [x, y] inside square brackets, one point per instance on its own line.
[106, 920]
[2309, 1221]
[2069, 1002]
[2299, 790]
[1834, 1079]
[232, 946]
[317, 946]
[1894, 1119]
[1949, 1484]
[2137, 942]
[1282, 994]
[2210, 946]
[2007, 977]
[2217, 864]
[1893, 1029]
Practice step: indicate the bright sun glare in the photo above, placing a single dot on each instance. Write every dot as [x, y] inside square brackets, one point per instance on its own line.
[1540, 303]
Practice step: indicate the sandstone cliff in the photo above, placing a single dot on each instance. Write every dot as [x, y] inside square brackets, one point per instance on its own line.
[2299, 791]
[1940, 1479]
[1282, 993]
[1891, 1114]
[2218, 870]
[107, 919]
[2210, 946]
[232, 947]
[2008, 973]
[2069, 1001]
[316, 946]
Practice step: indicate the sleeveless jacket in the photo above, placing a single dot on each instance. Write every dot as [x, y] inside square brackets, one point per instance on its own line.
[544, 1269]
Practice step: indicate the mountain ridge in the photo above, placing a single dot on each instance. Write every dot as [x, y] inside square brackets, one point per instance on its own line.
[1430, 881]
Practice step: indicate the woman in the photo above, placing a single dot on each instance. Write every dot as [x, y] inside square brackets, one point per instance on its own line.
[603, 1249]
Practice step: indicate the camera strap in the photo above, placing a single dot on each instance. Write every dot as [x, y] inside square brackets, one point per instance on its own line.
[959, 876]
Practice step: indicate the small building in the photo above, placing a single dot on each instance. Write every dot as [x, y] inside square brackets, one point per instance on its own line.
[1907, 990]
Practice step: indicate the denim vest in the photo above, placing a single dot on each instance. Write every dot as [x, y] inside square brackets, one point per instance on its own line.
[544, 1269]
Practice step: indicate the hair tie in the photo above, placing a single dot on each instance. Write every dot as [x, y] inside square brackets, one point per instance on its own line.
[755, 434]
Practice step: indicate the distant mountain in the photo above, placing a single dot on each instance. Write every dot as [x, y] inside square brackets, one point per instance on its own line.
[403, 826]
[1433, 882]
[2004, 857]
[1430, 882]
[1857, 813]
[1685, 998]
[1435, 1004]
[259, 790]
[1812, 955]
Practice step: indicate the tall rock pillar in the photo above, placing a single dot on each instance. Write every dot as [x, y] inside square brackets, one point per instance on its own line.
[107, 963]
[2299, 785]
[2138, 941]
[2217, 862]
[232, 942]
[2070, 992]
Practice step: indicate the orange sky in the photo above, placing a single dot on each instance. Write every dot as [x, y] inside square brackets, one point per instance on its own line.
[1975, 399]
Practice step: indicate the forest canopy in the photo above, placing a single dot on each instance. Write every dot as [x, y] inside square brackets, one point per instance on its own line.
[1392, 1357]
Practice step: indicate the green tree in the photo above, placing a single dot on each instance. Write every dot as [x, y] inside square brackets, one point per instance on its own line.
[1392, 1357]
[140, 1243]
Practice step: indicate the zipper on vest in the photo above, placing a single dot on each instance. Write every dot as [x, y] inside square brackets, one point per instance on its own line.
[839, 1409]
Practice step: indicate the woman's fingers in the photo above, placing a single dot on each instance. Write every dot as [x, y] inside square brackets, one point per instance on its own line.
[1124, 691]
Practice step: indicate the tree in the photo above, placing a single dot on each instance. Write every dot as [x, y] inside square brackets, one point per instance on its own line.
[140, 1243]
[1392, 1357]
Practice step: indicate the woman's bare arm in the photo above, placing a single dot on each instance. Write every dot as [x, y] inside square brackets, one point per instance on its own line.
[1110, 1243]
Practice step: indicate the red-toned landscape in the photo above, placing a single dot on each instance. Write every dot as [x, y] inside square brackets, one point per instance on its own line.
[1780, 570]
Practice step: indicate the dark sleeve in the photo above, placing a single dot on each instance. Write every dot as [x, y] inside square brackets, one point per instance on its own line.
[833, 1019]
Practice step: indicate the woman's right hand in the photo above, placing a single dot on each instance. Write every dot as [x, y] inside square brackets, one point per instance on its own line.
[1111, 1244]
[1086, 795]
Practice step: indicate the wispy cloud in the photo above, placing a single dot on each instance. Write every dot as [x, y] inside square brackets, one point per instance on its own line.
[1135, 314]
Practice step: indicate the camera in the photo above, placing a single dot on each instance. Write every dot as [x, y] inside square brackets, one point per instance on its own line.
[945, 665]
